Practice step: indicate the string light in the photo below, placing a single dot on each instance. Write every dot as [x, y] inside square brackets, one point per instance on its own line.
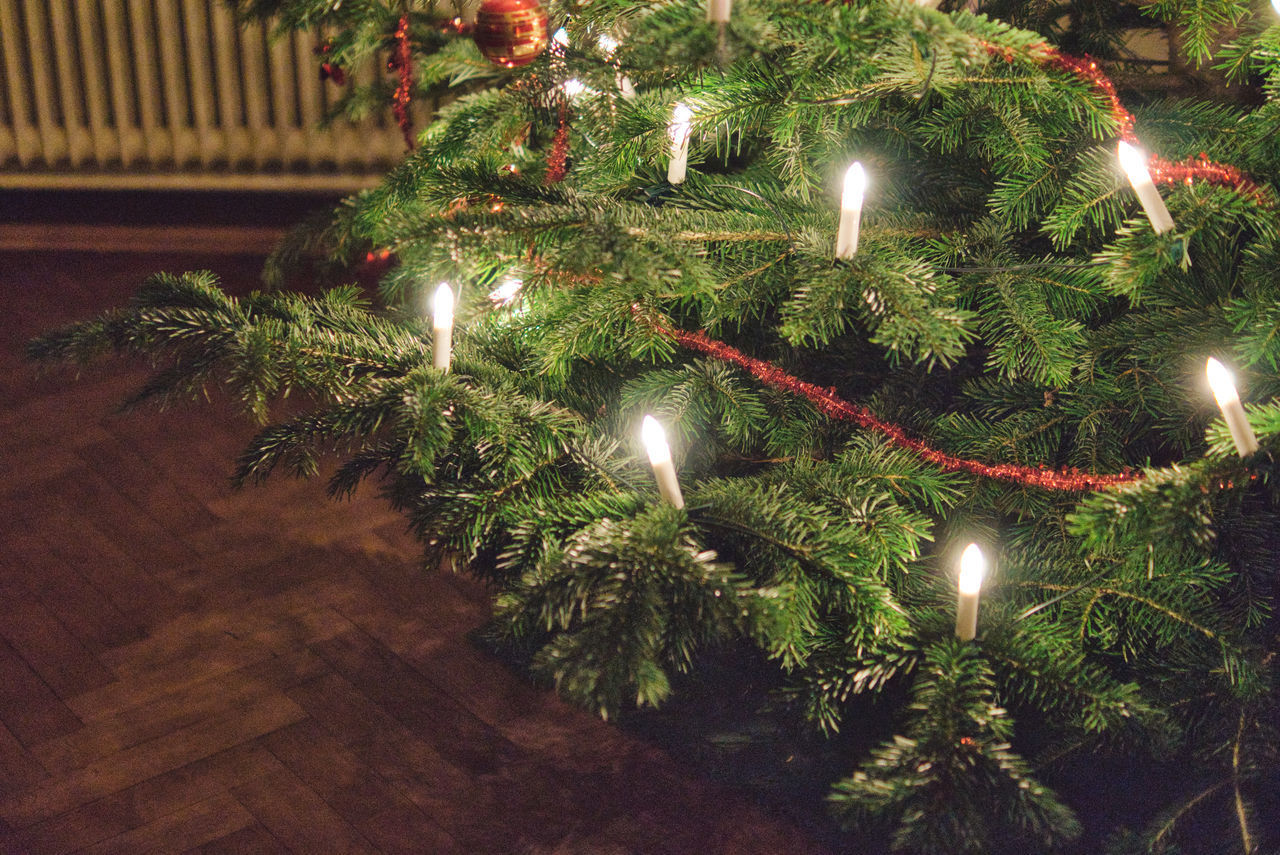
[1134, 164]
[855, 186]
[1224, 391]
[973, 566]
[506, 292]
[442, 327]
[664, 471]
[679, 131]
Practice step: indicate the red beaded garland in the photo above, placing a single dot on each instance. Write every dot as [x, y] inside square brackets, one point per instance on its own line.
[511, 33]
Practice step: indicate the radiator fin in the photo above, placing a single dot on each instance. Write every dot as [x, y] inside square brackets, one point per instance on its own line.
[162, 92]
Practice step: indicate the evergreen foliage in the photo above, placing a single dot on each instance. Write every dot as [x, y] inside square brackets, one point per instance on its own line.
[1009, 303]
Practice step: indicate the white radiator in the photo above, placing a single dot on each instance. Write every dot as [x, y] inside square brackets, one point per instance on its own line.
[172, 93]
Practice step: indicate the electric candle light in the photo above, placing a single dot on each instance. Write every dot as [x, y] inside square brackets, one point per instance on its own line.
[655, 443]
[973, 565]
[1134, 164]
[1224, 390]
[855, 186]
[718, 11]
[442, 326]
[506, 291]
[679, 131]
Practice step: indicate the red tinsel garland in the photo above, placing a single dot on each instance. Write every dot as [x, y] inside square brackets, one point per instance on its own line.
[403, 63]
[832, 405]
[558, 157]
[1162, 171]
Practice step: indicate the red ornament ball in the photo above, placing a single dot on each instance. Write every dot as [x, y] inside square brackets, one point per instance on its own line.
[511, 33]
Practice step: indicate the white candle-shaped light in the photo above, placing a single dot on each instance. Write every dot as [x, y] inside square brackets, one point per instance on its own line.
[855, 187]
[679, 132]
[1224, 390]
[442, 326]
[973, 566]
[718, 11]
[655, 443]
[1134, 164]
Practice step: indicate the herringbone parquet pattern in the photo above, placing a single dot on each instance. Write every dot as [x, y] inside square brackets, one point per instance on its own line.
[188, 668]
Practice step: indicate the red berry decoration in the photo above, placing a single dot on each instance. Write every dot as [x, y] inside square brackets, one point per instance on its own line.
[511, 33]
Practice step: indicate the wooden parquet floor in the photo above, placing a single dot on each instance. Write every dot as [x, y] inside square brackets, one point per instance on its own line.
[187, 668]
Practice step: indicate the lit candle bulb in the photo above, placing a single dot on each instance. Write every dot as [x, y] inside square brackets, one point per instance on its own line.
[718, 11]
[1134, 164]
[973, 565]
[442, 326]
[1224, 390]
[679, 132]
[655, 443]
[855, 186]
[507, 291]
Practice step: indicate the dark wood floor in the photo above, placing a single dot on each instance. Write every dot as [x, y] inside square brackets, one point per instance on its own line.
[188, 668]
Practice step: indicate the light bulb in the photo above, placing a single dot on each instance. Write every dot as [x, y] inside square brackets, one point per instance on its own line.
[973, 566]
[855, 186]
[442, 307]
[609, 44]
[1220, 379]
[561, 37]
[655, 441]
[1133, 162]
[573, 87]
[506, 291]
[681, 116]
[1275, 4]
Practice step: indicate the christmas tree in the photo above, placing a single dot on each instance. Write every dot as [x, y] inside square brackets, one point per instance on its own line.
[888, 280]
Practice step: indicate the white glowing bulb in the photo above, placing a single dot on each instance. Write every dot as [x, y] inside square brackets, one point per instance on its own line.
[506, 291]
[561, 37]
[973, 566]
[442, 325]
[664, 471]
[655, 441]
[855, 186]
[679, 130]
[1275, 4]
[1224, 390]
[681, 116]
[1220, 379]
[573, 87]
[609, 44]
[1134, 163]
[442, 307]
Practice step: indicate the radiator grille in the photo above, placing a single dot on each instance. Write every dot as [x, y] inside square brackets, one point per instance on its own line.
[171, 93]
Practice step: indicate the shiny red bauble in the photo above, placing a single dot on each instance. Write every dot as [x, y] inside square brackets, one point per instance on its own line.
[511, 33]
